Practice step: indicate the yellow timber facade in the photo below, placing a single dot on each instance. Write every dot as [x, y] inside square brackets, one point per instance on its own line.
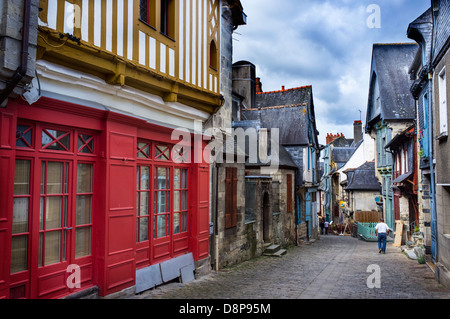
[169, 48]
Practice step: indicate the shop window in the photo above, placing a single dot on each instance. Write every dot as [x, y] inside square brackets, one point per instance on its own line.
[180, 201]
[168, 18]
[24, 136]
[162, 202]
[55, 140]
[147, 12]
[231, 197]
[142, 203]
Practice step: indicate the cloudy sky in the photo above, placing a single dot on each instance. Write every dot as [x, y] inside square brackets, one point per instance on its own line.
[326, 44]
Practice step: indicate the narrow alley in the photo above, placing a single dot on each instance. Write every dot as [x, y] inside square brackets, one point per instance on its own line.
[334, 267]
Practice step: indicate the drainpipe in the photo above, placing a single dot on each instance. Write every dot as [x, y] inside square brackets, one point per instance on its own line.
[22, 69]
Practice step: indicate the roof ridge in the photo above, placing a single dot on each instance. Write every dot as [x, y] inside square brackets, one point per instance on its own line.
[292, 89]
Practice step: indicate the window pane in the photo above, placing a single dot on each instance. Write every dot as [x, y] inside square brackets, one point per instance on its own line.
[19, 253]
[144, 203]
[85, 144]
[84, 178]
[22, 178]
[52, 247]
[53, 212]
[82, 242]
[143, 150]
[161, 202]
[185, 179]
[50, 140]
[24, 136]
[162, 178]
[161, 224]
[143, 229]
[184, 200]
[144, 178]
[183, 226]
[143, 10]
[177, 178]
[176, 201]
[176, 224]
[84, 209]
[55, 178]
[162, 152]
[20, 215]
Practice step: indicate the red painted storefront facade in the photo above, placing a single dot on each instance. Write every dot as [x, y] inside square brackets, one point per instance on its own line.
[96, 189]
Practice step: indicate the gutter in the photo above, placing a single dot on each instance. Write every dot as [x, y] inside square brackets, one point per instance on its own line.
[22, 69]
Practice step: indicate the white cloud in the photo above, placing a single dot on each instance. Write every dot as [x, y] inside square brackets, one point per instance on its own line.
[326, 44]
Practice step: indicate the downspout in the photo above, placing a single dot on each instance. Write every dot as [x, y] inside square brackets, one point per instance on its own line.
[22, 69]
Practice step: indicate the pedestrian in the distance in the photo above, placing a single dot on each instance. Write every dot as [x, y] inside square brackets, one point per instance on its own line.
[322, 226]
[326, 224]
[382, 231]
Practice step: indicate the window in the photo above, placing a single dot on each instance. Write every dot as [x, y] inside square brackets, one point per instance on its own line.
[168, 18]
[162, 202]
[24, 136]
[85, 144]
[142, 203]
[55, 140]
[231, 197]
[83, 226]
[162, 152]
[180, 201]
[147, 12]
[213, 56]
[21, 208]
[443, 121]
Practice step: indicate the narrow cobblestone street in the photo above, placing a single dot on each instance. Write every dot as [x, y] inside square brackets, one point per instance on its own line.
[334, 267]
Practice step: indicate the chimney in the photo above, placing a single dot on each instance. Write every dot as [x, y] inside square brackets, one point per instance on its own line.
[331, 137]
[258, 85]
[282, 88]
[357, 132]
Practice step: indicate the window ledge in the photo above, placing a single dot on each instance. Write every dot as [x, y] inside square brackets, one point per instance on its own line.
[447, 236]
[442, 136]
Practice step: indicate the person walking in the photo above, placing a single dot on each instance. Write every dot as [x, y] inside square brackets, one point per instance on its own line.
[326, 227]
[322, 225]
[382, 231]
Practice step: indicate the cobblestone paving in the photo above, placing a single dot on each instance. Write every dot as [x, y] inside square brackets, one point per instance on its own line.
[334, 267]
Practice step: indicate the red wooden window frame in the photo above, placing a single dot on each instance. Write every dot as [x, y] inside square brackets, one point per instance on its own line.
[231, 197]
[183, 191]
[143, 192]
[167, 192]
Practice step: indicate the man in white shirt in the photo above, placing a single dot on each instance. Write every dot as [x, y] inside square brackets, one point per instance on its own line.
[382, 230]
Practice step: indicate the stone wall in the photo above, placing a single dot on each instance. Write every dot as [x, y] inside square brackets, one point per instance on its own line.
[11, 25]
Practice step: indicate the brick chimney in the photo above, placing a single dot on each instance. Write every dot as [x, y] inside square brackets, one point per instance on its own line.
[357, 132]
[332, 137]
[258, 85]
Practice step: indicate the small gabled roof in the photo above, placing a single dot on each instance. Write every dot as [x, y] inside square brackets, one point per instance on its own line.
[363, 178]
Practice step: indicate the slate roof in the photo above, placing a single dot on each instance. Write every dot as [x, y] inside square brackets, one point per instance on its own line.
[363, 178]
[341, 155]
[391, 64]
[285, 159]
[289, 110]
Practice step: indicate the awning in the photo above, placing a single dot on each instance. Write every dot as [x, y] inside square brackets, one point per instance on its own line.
[402, 178]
